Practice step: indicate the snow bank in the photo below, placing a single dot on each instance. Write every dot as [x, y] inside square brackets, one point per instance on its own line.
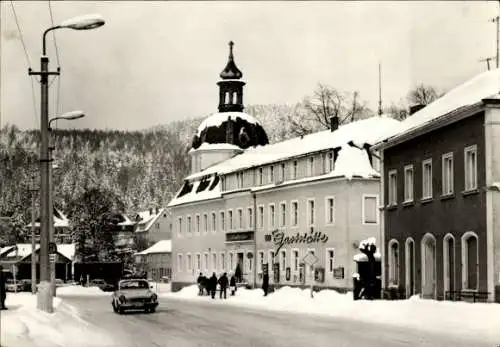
[24, 325]
[160, 288]
[81, 291]
[467, 319]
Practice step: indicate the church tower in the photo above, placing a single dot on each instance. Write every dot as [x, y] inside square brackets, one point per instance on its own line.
[231, 86]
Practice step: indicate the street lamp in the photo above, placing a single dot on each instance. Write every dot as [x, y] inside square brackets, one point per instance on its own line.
[44, 299]
[65, 116]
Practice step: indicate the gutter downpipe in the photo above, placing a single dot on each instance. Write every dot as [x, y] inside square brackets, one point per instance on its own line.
[254, 196]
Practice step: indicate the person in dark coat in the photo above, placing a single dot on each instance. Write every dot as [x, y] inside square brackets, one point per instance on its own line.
[3, 292]
[213, 285]
[232, 284]
[265, 283]
[201, 283]
[223, 282]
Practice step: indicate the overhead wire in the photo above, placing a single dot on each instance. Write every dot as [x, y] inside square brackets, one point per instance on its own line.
[28, 61]
[58, 93]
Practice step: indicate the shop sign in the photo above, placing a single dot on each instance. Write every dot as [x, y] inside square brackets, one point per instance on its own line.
[279, 239]
[239, 236]
[338, 273]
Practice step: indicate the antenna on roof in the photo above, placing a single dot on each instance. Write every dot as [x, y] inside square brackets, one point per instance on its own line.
[379, 89]
[487, 60]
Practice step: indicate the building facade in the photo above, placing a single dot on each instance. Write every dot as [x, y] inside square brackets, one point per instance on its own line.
[263, 206]
[153, 225]
[156, 261]
[441, 232]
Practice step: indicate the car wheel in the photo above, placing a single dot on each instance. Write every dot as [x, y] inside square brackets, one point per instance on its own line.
[121, 310]
[115, 309]
[152, 309]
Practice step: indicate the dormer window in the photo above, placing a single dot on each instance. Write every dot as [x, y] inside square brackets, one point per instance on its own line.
[282, 173]
[331, 161]
[261, 176]
[271, 174]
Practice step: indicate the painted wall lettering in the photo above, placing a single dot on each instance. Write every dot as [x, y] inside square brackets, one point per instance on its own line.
[280, 240]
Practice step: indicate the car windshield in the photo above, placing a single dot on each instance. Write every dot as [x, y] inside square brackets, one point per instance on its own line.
[134, 285]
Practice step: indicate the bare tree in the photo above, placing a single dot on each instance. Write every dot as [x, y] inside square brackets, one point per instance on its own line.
[327, 102]
[422, 95]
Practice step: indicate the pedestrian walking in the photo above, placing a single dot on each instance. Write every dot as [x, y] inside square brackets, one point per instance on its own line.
[213, 285]
[265, 283]
[201, 283]
[223, 282]
[3, 291]
[232, 284]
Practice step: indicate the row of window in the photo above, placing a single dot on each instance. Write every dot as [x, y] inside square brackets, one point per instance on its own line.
[447, 177]
[469, 261]
[281, 218]
[276, 173]
[208, 262]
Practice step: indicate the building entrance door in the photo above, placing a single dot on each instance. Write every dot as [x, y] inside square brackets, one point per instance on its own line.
[240, 261]
[429, 267]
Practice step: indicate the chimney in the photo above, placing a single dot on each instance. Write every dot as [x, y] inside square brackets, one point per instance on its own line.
[150, 211]
[416, 108]
[334, 123]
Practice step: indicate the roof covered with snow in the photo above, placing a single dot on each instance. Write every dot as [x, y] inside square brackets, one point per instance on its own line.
[360, 132]
[352, 159]
[216, 119]
[24, 250]
[163, 246]
[472, 92]
[60, 220]
[145, 219]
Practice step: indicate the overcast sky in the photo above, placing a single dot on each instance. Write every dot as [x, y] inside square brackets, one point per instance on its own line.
[154, 62]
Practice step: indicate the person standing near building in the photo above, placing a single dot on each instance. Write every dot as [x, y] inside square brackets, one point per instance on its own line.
[265, 283]
[223, 282]
[232, 284]
[3, 292]
[200, 283]
[213, 285]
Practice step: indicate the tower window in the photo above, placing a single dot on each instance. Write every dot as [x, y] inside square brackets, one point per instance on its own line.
[227, 98]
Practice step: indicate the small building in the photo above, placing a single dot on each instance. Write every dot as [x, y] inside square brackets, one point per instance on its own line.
[441, 174]
[62, 233]
[153, 225]
[266, 207]
[156, 261]
[18, 257]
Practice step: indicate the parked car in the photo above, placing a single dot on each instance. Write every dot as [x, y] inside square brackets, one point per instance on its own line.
[26, 285]
[102, 284]
[134, 294]
[12, 286]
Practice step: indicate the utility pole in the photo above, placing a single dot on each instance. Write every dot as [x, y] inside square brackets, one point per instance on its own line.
[33, 243]
[497, 21]
[379, 89]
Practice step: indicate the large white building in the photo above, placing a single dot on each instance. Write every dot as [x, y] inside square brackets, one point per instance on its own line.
[262, 205]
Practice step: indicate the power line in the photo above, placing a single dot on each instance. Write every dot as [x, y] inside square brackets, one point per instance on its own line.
[58, 93]
[27, 60]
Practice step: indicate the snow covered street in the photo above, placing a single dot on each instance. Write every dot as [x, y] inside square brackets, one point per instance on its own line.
[458, 318]
[288, 318]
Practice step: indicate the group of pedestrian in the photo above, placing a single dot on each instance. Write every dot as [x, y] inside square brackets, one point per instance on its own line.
[209, 285]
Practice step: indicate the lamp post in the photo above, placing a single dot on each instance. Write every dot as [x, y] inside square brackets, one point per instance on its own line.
[66, 116]
[44, 299]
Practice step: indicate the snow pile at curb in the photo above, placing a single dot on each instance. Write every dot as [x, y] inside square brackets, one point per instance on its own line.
[24, 325]
[82, 291]
[468, 319]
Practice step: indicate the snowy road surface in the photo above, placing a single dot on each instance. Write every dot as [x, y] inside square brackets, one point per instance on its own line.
[188, 324]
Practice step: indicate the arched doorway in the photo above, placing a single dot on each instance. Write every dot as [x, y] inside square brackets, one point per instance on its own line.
[449, 264]
[410, 267]
[429, 275]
